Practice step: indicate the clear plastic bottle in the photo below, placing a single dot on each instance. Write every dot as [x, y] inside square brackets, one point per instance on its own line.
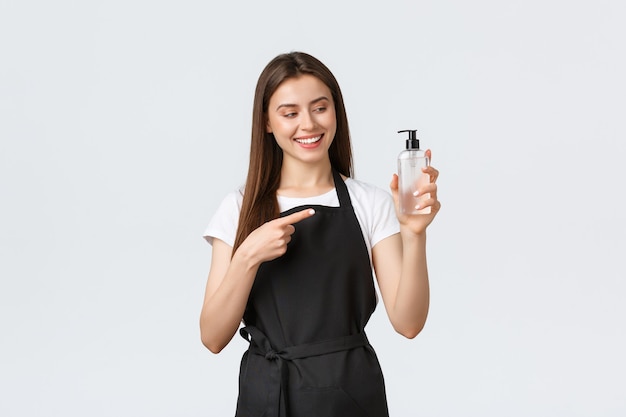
[410, 175]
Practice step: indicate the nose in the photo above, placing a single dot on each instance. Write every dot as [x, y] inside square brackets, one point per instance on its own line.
[307, 122]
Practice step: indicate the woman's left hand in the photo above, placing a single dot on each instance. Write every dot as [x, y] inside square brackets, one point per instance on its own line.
[417, 223]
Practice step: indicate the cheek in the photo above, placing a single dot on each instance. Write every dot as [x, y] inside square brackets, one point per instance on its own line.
[272, 124]
[282, 128]
[332, 117]
[331, 122]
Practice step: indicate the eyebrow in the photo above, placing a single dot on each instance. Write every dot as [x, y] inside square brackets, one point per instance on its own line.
[295, 105]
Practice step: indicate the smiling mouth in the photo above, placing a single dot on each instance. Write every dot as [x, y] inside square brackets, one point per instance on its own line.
[308, 141]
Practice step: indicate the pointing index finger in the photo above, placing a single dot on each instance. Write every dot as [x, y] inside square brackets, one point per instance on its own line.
[298, 216]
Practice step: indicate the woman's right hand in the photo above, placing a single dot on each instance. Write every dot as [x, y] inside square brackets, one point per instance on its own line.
[270, 240]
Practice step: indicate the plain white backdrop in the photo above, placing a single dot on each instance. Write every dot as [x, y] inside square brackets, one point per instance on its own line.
[124, 123]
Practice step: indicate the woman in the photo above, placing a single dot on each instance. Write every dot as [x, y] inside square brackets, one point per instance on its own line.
[293, 256]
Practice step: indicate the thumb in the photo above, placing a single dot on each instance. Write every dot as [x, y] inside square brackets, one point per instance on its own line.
[393, 185]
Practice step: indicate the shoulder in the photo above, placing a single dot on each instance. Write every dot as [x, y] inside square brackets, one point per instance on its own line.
[233, 199]
[230, 204]
[367, 192]
[223, 224]
[375, 210]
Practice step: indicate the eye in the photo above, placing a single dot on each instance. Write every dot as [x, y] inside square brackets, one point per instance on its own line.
[320, 109]
[290, 115]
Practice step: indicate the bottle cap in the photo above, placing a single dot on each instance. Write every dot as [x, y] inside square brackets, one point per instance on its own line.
[412, 142]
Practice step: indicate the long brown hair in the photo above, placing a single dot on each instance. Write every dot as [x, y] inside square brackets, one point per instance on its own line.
[259, 200]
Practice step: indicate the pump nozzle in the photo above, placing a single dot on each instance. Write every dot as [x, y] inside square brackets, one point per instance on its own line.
[412, 142]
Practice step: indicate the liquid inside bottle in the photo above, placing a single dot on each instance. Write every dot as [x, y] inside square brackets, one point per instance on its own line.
[411, 178]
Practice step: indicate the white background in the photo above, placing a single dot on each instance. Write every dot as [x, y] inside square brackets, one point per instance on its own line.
[124, 123]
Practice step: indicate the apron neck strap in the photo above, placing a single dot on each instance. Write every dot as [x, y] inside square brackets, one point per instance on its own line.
[342, 190]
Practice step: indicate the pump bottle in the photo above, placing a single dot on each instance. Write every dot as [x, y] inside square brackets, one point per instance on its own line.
[410, 175]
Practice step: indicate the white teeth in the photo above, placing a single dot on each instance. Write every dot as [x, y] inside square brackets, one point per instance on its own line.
[309, 140]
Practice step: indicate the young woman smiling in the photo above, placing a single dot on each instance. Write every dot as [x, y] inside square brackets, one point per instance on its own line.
[293, 254]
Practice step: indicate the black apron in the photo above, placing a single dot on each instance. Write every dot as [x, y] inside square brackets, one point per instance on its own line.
[305, 319]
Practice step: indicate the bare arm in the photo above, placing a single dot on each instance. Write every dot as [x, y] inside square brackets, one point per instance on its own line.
[230, 279]
[401, 267]
[226, 295]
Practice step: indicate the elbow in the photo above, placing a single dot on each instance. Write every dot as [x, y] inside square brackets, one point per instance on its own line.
[209, 338]
[215, 337]
[212, 345]
[410, 332]
[211, 342]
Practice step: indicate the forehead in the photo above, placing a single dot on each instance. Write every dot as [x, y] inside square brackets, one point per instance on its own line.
[300, 90]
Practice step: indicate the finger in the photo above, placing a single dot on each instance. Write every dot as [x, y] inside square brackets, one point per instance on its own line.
[298, 216]
[429, 202]
[393, 187]
[430, 188]
[430, 170]
[394, 183]
[434, 205]
[432, 173]
[429, 154]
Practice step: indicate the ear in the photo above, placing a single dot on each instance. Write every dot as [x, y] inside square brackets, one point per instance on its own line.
[268, 127]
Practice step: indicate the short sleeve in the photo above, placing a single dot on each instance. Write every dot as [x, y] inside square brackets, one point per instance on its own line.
[385, 222]
[223, 224]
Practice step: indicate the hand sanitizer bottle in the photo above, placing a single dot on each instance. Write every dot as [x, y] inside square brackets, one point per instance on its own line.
[410, 175]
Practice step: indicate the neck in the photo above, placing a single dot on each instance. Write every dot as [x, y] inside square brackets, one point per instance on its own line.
[302, 179]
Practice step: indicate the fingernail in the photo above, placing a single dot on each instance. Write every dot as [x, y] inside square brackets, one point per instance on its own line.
[417, 207]
[311, 211]
[416, 193]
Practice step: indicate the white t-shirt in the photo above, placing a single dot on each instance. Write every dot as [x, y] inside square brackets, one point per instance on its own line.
[373, 207]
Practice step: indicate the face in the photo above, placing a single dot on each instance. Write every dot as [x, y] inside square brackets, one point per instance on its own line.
[301, 115]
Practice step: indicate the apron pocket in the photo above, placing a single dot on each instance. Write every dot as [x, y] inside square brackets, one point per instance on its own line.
[328, 402]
